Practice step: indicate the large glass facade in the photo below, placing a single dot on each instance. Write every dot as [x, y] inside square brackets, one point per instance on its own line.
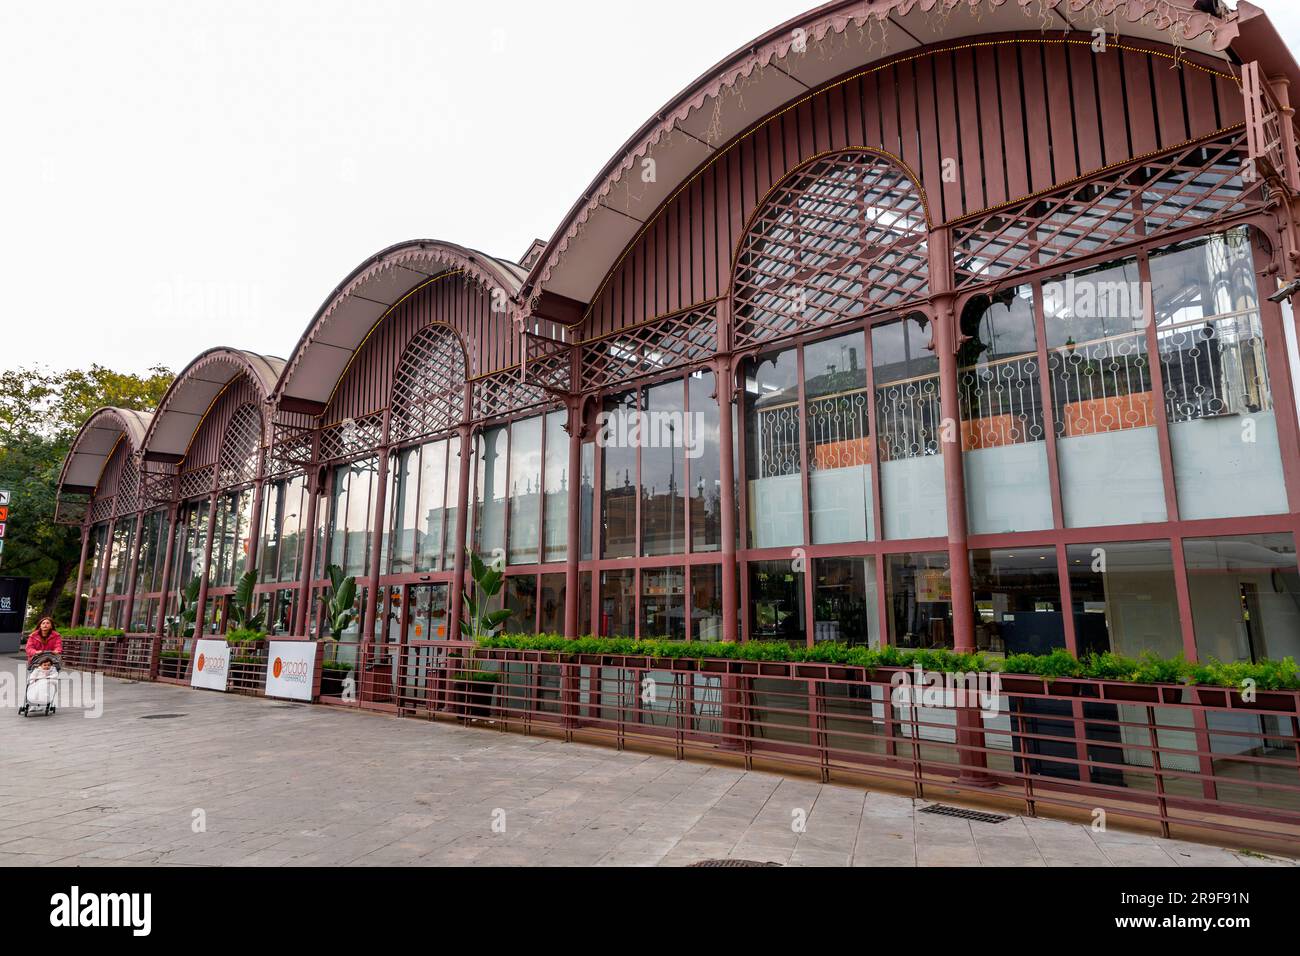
[840, 452]
[1125, 598]
[774, 455]
[1245, 594]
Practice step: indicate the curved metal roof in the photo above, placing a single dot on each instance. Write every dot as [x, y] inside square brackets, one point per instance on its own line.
[95, 443]
[190, 396]
[351, 311]
[783, 65]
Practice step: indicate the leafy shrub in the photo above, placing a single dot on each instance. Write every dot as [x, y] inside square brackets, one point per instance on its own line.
[93, 633]
[245, 636]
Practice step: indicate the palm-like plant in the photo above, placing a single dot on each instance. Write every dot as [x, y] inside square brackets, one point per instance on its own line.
[339, 602]
[181, 624]
[242, 617]
[478, 622]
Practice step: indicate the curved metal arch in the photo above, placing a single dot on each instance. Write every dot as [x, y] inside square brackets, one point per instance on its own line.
[95, 444]
[355, 309]
[195, 391]
[842, 234]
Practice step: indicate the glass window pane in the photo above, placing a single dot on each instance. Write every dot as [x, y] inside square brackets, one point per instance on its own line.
[776, 604]
[663, 464]
[839, 440]
[1018, 607]
[1222, 424]
[920, 600]
[521, 599]
[587, 497]
[525, 491]
[406, 472]
[430, 512]
[773, 460]
[1003, 440]
[846, 601]
[452, 507]
[617, 603]
[663, 603]
[552, 604]
[909, 416]
[1245, 597]
[556, 532]
[1107, 443]
[1125, 599]
[704, 454]
[618, 503]
[706, 603]
[490, 521]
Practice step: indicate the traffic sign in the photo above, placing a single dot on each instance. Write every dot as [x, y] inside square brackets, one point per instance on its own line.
[4, 497]
[2, 530]
[4, 512]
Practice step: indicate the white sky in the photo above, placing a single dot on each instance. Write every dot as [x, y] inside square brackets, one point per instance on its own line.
[180, 175]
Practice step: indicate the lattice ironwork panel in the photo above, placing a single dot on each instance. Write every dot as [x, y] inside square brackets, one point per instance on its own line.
[844, 236]
[128, 486]
[101, 510]
[502, 393]
[71, 509]
[429, 387]
[240, 446]
[671, 342]
[157, 485]
[1197, 185]
[291, 449]
[351, 438]
[196, 483]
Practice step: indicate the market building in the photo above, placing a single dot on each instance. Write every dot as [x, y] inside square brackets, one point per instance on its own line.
[948, 324]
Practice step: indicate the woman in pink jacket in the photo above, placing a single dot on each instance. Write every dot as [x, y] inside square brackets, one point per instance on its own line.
[44, 640]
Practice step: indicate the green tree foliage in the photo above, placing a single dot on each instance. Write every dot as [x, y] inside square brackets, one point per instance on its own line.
[41, 412]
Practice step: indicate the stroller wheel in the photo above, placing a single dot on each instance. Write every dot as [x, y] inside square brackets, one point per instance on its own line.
[22, 711]
[49, 709]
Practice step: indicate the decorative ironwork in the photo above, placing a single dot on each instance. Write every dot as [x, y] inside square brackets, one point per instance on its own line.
[240, 446]
[839, 431]
[650, 348]
[351, 438]
[1001, 403]
[291, 448]
[101, 510]
[778, 441]
[429, 387]
[844, 236]
[157, 484]
[1215, 368]
[196, 483]
[910, 415]
[128, 486]
[71, 509]
[501, 393]
[1195, 186]
[1101, 386]
[1264, 130]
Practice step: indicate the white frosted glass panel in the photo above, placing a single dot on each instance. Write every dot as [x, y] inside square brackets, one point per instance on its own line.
[842, 505]
[776, 511]
[1007, 489]
[1112, 479]
[914, 502]
[1220, 474]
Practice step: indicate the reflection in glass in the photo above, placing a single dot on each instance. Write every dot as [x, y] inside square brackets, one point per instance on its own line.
[776, 603]
[618, 503]
[920, 600]
[1245, 597]
[1125, 599]
[1018, 608]
[839, 440]
[618, 603]
[774, 464]
[663, 470]
[525, 491]
[846, 601]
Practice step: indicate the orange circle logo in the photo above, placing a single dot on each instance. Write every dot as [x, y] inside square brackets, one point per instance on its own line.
[202, 660]
[279, 667]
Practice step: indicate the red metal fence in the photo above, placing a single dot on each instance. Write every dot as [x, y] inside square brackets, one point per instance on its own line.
[1192, 758]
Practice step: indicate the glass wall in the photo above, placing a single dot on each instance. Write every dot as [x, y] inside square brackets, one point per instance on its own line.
[840, 450]
[909, 418]
[663, 603]
[1107, 443]
[919, 594]
[351, 518]
[1222, 426]
[555, 536]
[525, 491]
[490, 494]
[618, 603]
[705, 457]
[1245, 597]
[284, 519]
[1004, 443]
[1124, 598]
[1017, 594]
[618, 500]
[776, 602]
[774, 459]
[846, 601]
[663, 470]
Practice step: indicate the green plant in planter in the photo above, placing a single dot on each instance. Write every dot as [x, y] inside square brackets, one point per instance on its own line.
[478, 623]
[245, 636]
[242, 617]
[339, 602]
[181, 624]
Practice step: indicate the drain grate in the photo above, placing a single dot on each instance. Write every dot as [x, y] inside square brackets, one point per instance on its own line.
[731, 863]
[162, 716]
[963, 814]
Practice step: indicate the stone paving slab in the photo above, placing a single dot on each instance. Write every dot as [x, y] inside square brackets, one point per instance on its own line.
[281, 785]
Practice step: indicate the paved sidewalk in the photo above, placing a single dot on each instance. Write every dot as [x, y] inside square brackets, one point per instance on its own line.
[277, 784]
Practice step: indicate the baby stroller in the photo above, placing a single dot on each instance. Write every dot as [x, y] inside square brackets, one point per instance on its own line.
[42, 685]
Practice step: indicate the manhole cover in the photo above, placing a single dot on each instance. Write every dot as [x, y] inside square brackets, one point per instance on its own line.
[162, 716]
[962, 814]
[731, 863]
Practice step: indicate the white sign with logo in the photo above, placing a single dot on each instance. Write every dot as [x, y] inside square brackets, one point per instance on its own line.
[291, 669]
[211, 665]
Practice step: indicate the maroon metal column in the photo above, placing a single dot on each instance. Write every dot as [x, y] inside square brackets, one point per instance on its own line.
[132, 570]
[462, 515]
[173, 513]
[81, 576]
[572, 576]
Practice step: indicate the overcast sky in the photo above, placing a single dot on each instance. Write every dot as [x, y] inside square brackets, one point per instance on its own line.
[181, 175]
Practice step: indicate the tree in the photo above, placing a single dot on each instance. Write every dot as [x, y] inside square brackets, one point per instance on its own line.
[41, 412]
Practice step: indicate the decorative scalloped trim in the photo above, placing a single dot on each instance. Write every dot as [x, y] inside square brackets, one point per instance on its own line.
[1166, 13]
